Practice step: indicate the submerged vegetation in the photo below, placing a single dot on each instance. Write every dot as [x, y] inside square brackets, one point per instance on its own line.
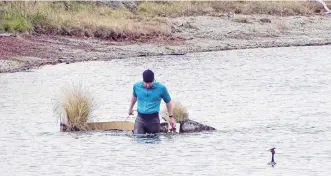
[141, 20]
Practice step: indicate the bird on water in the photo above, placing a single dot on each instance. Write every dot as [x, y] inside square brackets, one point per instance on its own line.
[272, 162]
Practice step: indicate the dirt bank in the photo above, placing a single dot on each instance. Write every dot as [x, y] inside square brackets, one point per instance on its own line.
[189, 34]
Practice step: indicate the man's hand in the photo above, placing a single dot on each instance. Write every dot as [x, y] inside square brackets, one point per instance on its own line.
[130, 112]
[172, 123]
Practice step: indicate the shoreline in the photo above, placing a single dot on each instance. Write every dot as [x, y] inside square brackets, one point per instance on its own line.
[189, 34]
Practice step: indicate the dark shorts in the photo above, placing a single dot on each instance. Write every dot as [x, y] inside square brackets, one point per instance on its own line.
[147, 123]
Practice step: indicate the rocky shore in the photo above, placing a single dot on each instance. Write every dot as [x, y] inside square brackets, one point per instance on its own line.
[189, 34]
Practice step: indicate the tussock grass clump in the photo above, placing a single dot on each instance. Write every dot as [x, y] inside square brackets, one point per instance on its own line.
[75, 106]
[179, 111]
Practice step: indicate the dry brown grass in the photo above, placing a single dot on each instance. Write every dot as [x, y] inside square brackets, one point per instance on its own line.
[75, 106]
[184, 8]
[179, 111]
[147, 21]
[85, 19]
[283, 8]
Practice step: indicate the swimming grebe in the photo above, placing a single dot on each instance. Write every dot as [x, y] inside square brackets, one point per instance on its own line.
[272, 163]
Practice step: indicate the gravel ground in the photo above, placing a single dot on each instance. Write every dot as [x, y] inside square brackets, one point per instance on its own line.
[190, 34]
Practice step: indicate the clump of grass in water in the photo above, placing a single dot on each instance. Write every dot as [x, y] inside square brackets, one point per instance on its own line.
[75, 107]
[179, 111]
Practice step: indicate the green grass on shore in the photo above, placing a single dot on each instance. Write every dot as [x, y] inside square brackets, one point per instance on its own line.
[148, 19]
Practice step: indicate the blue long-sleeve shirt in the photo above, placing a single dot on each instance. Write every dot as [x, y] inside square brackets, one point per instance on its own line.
[149, 100]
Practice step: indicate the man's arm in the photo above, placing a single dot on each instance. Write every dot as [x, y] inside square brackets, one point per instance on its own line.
[169, 108]
[133, 101]
[167, 99]
[172, 120]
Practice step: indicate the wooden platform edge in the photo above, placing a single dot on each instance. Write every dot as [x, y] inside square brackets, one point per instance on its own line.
[100, 126]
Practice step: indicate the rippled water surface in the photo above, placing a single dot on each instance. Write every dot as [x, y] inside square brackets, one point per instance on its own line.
[257, 99]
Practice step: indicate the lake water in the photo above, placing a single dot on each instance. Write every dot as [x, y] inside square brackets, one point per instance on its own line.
[256, 98]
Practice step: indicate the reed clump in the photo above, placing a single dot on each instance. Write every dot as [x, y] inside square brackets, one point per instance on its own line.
[179, 111]
[75, 107]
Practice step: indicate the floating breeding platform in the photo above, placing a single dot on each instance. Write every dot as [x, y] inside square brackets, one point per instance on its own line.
[185, 126]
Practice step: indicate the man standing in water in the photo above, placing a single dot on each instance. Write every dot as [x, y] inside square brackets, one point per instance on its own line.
[149, 94]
